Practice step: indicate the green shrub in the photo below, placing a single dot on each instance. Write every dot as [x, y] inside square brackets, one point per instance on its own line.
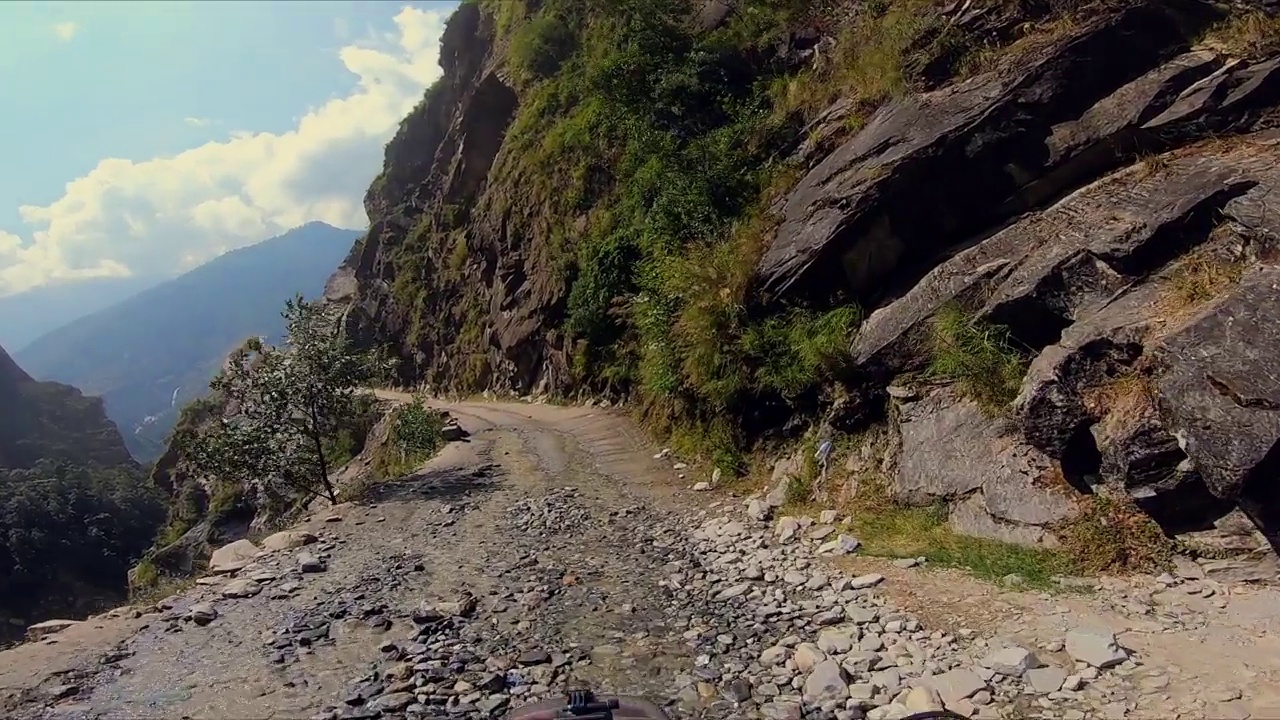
[538, 47]
[792, 350]
[413, 438]
[978, 356]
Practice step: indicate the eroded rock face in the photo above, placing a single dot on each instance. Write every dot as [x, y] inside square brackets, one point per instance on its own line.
[1220, 396]
[1086, 283]
[980, 151]
[1053, 195]
[1000, 487]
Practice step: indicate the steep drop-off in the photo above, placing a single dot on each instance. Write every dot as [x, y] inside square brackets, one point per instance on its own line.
[1015, 255]
[74, 507]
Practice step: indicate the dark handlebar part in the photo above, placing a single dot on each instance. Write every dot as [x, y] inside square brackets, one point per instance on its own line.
[582, 705]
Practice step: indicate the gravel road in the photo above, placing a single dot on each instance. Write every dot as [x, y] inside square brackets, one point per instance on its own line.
[554, 549]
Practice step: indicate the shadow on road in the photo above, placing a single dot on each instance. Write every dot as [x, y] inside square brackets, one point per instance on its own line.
[437, 484]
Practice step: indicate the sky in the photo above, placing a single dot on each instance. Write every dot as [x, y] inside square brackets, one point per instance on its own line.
[145, 138]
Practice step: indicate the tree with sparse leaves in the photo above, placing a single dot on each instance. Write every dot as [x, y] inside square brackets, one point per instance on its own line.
[283, 404]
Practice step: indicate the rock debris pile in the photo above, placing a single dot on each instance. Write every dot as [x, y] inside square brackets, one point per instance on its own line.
[771, 628]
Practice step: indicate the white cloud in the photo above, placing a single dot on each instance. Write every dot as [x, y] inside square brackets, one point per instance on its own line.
[66, 30]
[171, 213]
[197, 122]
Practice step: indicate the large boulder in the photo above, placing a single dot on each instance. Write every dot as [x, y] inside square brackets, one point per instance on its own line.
[996, 484]
[1219, 393]
[232, 556]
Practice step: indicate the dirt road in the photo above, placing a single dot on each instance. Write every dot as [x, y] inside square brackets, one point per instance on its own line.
[552, 549]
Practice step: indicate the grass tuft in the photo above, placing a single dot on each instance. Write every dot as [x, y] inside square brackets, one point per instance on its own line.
[1250, 34]
[978, 356]
[1198, 279]
[1113, 535]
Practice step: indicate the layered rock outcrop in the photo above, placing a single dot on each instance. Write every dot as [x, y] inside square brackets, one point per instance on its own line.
[1101, 191]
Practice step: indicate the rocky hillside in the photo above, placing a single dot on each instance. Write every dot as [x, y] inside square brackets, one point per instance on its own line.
[74, 506]
[152, 353]
[1014, 258]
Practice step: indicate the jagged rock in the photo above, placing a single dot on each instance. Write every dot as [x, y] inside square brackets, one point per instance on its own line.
[49, 627]
[1219, 395]
[1096, 647]
[1065, 115]
[1011, 661]
[758, 510]
[452, 432]
[784, 471]
[952, 451]
[241, 588]
[202, 613]
[232, 557]
[1046, 679]
[787, 529]
[309, 563]
[826, 682]
[923, 698]
[958, 684]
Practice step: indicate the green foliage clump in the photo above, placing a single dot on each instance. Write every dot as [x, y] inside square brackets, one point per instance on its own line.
[793, 350]
[67, 526]
[978, 356]
[414, 438]
[285, 406]
[539, 46]
[666, 138]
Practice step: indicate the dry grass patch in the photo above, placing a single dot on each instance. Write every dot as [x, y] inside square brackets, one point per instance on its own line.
[1036, 38]
[1112, 535]
[1248, 34]
[1122, 400]
[1201, 277]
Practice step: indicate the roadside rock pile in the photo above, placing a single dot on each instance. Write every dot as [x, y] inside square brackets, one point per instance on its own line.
[550, 514]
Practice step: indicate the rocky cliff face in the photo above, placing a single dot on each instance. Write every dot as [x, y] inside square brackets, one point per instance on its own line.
[1083, 190]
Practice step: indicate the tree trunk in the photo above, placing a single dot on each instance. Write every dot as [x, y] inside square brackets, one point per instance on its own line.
[324, 466]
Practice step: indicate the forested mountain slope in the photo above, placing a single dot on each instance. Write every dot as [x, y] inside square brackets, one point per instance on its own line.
[75, 509]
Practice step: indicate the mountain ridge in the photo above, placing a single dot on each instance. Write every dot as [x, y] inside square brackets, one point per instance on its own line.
[119, 352]
[28, 315]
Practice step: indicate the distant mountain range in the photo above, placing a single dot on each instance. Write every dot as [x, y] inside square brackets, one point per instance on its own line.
[28, 315]
[150, 354]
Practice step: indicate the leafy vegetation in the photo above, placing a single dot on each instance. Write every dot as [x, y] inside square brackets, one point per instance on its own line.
[69, 533]
[668, 144]
[413, 438]
[286, 405]
[979, 357]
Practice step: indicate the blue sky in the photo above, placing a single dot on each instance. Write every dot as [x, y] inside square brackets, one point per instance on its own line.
[190, 128]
